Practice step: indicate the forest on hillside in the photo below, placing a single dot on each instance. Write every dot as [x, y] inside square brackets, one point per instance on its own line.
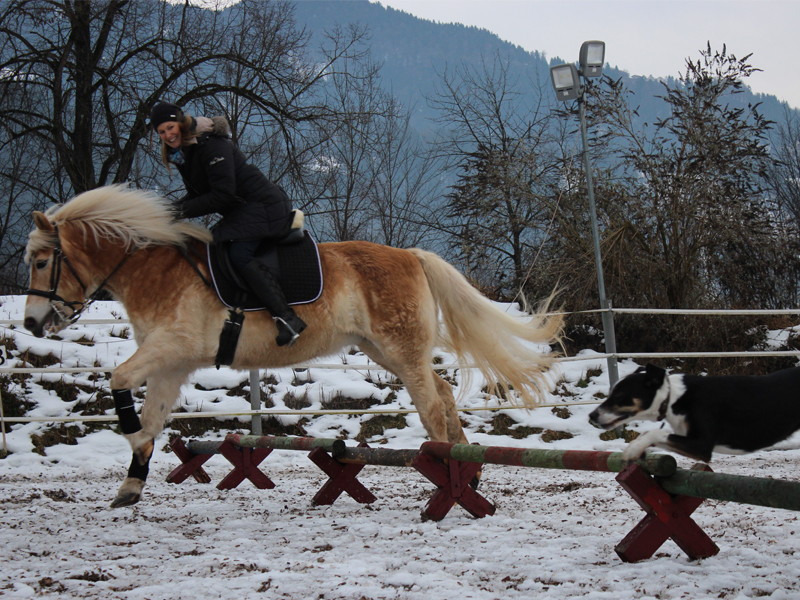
[461, 150]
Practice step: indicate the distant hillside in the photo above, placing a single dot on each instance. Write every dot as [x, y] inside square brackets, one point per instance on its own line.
[414, 50]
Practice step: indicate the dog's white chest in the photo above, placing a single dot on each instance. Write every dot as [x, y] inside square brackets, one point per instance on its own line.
[676, 390]
[678, 423]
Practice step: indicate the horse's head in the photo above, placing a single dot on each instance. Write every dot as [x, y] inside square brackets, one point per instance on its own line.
[87, 234]
[56, 295]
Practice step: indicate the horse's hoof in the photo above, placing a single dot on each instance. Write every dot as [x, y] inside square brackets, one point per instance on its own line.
[144, 453]
[128, 499]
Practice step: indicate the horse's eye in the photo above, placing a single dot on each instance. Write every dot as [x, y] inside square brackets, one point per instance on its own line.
[41, 264]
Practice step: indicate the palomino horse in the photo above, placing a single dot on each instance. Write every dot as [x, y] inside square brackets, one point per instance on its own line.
[385, 301]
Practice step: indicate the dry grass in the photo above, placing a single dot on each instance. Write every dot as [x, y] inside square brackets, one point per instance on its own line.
[378, 424]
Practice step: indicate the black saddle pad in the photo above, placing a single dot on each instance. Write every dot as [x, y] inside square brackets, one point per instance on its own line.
[300, 274]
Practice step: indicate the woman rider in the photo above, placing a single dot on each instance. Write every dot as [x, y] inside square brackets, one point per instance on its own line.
[218, 179]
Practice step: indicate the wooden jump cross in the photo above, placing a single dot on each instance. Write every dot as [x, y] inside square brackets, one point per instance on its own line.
[667, 517]
[341, 478]
[245, 463]
[667, 494]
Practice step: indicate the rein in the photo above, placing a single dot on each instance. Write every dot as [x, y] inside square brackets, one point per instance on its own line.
[59, 258]
[187, 254]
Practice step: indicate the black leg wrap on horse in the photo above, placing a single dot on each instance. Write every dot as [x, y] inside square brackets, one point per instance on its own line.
[138, 471]
[126, 411]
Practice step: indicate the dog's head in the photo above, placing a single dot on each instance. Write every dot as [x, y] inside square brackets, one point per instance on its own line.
[636, 397]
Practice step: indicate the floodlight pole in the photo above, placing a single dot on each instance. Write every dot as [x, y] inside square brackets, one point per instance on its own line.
[605, 305]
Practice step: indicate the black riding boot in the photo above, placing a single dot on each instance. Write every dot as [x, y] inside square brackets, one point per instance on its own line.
[266, 287]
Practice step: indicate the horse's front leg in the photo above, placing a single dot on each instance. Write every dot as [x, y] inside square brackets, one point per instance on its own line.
[162, 391]
[156, 364]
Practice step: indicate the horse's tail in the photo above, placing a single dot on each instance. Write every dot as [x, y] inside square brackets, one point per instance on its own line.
[499, 345]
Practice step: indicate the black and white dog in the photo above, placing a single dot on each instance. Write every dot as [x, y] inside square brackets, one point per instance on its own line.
[732, 414]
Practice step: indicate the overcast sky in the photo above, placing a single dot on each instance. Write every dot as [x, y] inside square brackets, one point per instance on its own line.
[643, 37]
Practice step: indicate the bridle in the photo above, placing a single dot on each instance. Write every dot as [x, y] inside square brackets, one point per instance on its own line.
[57, 303]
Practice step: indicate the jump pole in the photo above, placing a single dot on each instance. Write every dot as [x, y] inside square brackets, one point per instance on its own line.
[453, 467]
[661, 465]
[773, 493]
[334, 446]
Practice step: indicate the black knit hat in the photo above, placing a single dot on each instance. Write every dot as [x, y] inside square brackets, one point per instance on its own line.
[163, 112]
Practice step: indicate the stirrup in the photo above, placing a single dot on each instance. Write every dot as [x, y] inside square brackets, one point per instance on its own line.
[286, 335]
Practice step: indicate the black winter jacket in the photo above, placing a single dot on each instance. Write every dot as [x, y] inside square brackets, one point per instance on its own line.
[218, 179]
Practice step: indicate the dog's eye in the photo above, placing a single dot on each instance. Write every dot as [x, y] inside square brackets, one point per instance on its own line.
[623, 401]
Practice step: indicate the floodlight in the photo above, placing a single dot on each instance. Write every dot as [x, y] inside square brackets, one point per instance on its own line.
[566, 81]
[567, 84]
[592, 58]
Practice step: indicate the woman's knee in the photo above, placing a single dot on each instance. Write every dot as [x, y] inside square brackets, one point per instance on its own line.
[241, 253]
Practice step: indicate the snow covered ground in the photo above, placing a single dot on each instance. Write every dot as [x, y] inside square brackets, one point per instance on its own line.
[553, 535]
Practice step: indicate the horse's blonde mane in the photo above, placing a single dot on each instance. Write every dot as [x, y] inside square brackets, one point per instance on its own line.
[136, 218]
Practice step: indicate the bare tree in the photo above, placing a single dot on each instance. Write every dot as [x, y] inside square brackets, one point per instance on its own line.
[784, 172]
[685, 216]
[405, 184]
[78, 79]
[498, 137]
[373, 178]
[343, 160]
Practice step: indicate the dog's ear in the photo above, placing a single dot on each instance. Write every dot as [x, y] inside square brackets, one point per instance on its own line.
[654, 376]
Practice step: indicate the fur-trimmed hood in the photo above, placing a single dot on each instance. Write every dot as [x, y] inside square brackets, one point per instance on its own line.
[214, 126]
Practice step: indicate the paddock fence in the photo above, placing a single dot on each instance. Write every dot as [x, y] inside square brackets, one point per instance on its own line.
[256, 412]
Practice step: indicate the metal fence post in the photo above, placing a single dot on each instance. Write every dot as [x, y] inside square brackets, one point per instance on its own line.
[255, 401]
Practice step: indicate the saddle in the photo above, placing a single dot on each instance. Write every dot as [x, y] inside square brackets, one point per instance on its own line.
[294, 260]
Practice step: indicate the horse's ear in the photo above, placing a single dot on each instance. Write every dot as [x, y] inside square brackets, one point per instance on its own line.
[41, 221]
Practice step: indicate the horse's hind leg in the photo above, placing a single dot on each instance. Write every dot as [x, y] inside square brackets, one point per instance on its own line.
[162, 390]
[455, 432]
[421, 386]
[431, 395]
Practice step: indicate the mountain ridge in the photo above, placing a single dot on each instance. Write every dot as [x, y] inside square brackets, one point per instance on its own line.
[414, 51]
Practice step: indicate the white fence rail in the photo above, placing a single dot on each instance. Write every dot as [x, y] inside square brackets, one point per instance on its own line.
[256, 412]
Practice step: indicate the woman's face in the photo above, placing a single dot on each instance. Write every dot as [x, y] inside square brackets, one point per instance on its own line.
[170, 133]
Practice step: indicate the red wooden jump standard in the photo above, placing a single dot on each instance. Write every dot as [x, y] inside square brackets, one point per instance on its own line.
[245, 463]
[452, 479]
[341, 478]
[667, 517]
[191, 464]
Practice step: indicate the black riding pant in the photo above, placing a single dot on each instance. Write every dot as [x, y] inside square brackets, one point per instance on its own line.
[242, 252]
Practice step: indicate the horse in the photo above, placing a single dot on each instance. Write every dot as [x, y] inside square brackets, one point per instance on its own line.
[385, 301]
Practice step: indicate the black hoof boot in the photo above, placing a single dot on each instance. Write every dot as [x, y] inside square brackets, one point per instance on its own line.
[475, 482]
[143, 454]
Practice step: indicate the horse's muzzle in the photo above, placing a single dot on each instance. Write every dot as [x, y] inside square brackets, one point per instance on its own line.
[39, 327]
